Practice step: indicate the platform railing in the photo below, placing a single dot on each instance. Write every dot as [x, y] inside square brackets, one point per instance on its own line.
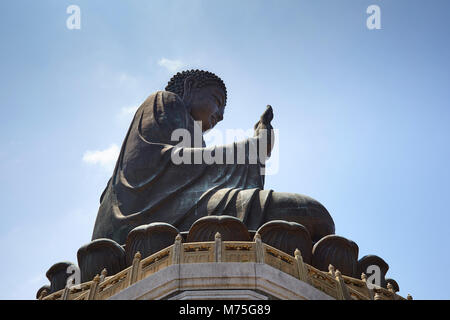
[332, 282]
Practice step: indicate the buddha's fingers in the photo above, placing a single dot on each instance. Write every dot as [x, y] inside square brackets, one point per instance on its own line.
[267, 116]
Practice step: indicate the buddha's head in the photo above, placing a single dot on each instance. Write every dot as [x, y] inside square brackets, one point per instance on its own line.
[203, 93]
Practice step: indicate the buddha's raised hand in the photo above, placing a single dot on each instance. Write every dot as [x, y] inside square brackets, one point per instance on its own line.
[264, 130]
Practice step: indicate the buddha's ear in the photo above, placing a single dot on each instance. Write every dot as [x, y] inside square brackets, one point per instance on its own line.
[189, 85]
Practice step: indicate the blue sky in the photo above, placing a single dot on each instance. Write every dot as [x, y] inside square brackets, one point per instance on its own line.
[363, 116]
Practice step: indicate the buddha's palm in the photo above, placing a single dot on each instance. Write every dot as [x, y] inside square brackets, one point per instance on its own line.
[264, 126]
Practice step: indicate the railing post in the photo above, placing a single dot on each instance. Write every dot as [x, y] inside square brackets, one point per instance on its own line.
[134, 271]
[43, 294]
[176, 253]
[103, 275]
[65, 295]
[218, 247]
[331, 270]
[302, 272]
[259, 248]
[342, 287]
[94, 288]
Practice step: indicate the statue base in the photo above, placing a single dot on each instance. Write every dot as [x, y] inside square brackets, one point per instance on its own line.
[220, 281]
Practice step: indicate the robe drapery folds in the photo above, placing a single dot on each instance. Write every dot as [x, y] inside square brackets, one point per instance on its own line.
[147, 186]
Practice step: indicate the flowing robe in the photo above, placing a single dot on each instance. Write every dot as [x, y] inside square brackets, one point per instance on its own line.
[147, 186]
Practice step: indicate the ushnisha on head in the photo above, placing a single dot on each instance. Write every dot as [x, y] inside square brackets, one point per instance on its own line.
[203, 93]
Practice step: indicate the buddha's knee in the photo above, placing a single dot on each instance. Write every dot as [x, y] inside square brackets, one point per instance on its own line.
[304, 210]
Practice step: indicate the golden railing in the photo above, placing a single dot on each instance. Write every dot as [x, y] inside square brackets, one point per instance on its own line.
[332, 282]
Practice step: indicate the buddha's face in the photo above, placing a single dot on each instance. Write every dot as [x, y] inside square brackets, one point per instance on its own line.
[206, 104]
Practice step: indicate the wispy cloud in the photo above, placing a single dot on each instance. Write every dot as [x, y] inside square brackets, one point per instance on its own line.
[171, 65]
[124, 78]
[127, 112]
[125, 115]
[105, 158]
[106, 77]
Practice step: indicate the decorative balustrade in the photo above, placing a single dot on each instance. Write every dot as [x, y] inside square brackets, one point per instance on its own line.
[332, 282]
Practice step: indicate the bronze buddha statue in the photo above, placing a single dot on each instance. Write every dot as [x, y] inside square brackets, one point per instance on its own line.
[147, 186]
